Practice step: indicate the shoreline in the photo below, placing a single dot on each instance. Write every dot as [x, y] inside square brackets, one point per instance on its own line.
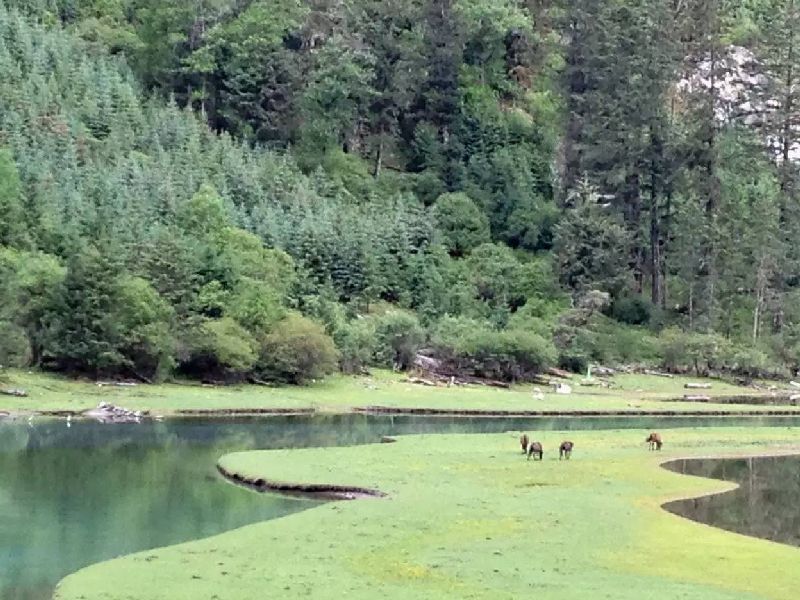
[447, 412]
[791, 451]
[304, 490]
[414, 412]
[730, 486]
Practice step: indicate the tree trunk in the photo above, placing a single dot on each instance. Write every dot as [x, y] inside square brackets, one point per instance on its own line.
[576, 87]
[378, 158]
[633, 216]
[656, 258]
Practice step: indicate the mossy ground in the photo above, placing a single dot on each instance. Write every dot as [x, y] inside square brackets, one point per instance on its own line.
[341, 393]
[468, 517]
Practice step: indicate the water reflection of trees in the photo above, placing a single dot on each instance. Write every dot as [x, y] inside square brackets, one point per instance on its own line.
[765, 505]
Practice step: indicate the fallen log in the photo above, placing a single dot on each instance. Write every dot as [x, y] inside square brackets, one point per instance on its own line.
[15, 392]
[468, 379]
[657, 373]
[560, 373]
[696, 398]
[697, 386]
[599, 371]
[421, 381]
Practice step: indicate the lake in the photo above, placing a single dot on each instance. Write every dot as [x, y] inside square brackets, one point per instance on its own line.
[73, 495]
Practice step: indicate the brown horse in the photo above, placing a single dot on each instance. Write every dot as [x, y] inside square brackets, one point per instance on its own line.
[654, 439]
[535, 449]
[523, 441]
[565, 450]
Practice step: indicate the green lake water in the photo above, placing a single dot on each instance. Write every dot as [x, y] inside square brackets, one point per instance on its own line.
[764, 505]
[75, 495]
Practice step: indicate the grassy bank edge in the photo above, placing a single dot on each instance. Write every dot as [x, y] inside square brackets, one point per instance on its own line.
[382, 392]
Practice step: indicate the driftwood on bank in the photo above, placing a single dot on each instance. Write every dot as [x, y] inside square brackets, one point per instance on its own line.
[560, 373]
[421, 381]
[657, 373]
[432, 371]
[434, 380]
[696, 398]
[697, 386]
[595, 382]
[14, 392]
[600, 371]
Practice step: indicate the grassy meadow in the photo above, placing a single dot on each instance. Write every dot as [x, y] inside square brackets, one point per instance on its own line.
[468, 517]
[341, 393]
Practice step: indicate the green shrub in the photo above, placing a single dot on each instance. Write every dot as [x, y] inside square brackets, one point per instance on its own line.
[462, 224]
[398, 336]
[356, 344]
[749, 361]
[633, 310]
[296, 351]
[601, 340]
[142, 320]
[255, 305]
[449, 335]
[697, 352]
[15, 349]
[428, 186]
[509, 355]
[220, 347]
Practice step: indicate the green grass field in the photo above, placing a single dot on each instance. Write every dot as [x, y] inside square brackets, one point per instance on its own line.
[342, 393]
[468, 517]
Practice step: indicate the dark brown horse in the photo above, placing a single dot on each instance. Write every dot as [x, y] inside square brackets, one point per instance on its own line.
[535, 450]
[654, 439]
[523, 441]
[565, 450]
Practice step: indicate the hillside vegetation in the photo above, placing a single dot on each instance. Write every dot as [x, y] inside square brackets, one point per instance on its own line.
[276, 190]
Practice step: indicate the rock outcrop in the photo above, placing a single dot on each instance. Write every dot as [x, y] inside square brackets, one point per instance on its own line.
[108, 413]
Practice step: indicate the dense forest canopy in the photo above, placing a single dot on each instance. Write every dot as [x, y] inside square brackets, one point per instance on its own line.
[276, 189]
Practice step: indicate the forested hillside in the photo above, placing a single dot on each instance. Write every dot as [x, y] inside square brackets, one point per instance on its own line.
[276, 189]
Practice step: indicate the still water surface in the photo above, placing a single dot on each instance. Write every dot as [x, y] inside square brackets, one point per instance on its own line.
[73, 496]
[764, 505]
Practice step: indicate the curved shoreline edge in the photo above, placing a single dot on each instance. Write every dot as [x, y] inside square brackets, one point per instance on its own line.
[320, 491]
[731, 486]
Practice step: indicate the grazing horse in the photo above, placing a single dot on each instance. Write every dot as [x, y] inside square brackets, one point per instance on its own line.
[523, 441]
[654, 439]
[565, 450]
[535, 449]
